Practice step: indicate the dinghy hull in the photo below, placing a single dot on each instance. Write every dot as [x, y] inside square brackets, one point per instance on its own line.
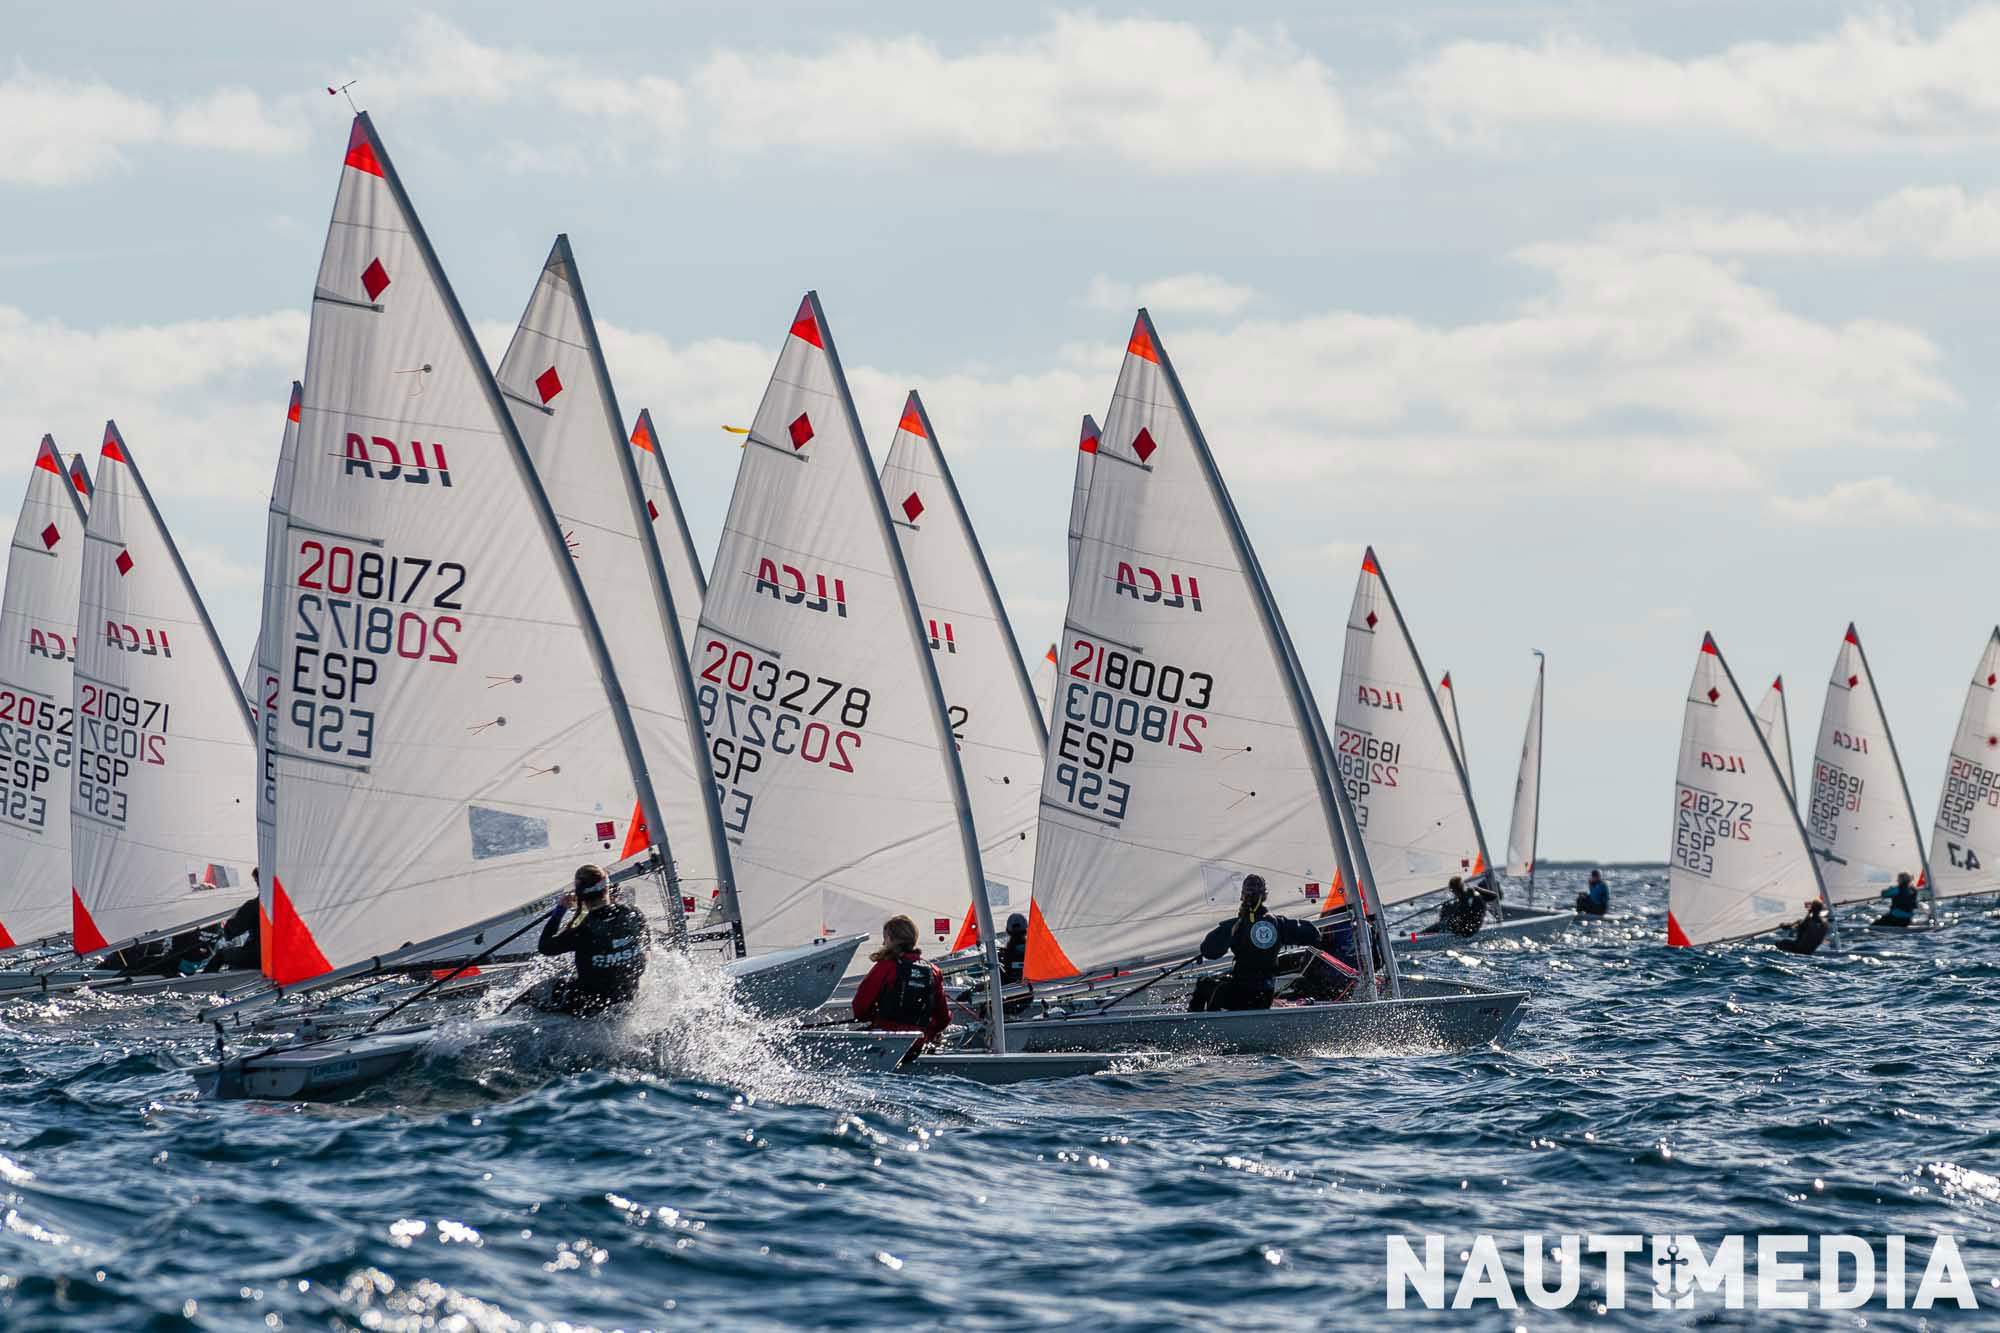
[318, 1072]
[1020, 1066]
[793, 981]
[1528, 926]
[1450, 1022]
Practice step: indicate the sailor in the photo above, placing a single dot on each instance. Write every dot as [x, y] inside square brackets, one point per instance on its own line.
[1809, 932]
[1595, 900]
[1466, 912]
[902, 992]
[1014, 950]
[239, 946]
[1254, 936]
[608, 940]
[1902, 903]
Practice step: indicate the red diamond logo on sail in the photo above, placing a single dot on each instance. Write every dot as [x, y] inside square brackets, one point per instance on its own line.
[1143, 445]
[802, 430]
[652, 510]
[1713, 694]
[912, 507]
[548, 384]
[1852, 681]
[50, 537]
[124, 563]
[1991, 679]
[1370, 618]
[374, 278]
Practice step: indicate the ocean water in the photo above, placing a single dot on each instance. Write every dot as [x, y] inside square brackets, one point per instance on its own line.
[1649, 1090]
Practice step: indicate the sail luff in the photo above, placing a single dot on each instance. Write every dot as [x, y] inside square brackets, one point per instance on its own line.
[1333, 796]
[1437, 715]
[670, 620]
[267, 669]
[684, 537]
[1902, 779]
[954, 774]
[539, 505]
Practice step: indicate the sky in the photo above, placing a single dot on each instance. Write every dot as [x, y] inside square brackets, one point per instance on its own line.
[1604, 323]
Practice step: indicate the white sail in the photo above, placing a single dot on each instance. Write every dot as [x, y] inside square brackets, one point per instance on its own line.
[79, 477]
[840, 786]
[1774, 720]
[1079, 497]
[37, 730]
[163, 806]
[261, 682]
[1410, 795]
[1965, 840]
[1045, 685]
[1524, 829]
[1182, 756]
[1863, 826]
[670, 529]
[1448, 704]
[1738, 863]
[452, 739]
[988, 700]
[556, 385]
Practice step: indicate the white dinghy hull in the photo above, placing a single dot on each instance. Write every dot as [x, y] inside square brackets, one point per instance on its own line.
[1451, 1022]
[1527, 926]
[792, 981]
[314, 1072]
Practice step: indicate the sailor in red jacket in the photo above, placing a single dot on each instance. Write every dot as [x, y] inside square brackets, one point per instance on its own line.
[902, 992]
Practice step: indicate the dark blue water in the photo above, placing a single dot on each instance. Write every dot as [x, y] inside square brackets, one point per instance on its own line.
[1650, 1089]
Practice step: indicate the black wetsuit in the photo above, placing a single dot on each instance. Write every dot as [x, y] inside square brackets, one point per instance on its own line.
[246, 929]
[609, 946]
[1464, 916]
[1013, 959]
[1595, 900]
[1903, 903]
[1807, 936]
[1252, 982]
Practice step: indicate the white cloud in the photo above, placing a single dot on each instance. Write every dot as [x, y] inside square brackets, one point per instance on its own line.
[1935, 222]
[1165, 96]
[1184, 293]
[1874, 502]
[64, 131]
[1875, 80]
[200, 401]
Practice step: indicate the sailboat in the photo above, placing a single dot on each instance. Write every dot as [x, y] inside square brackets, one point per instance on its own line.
[559, 391]
[1965, 838]
[1405, 776]
[1448, 704]
[1045, 685]
[1079, 497]
[1739, 863]
[999, 731]
[162, 798]
[1187, 754]
[37, 653]
[265, 677]
[670, 529]
[79, 477]
[1525, 827]
[1775, 721]
[1859, 814]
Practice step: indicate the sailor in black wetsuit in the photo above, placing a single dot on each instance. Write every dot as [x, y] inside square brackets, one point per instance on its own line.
[1809, 932]
[1255, 937]
[608, 942]
[1902, 903]
[1466, 912]
[1014, 950]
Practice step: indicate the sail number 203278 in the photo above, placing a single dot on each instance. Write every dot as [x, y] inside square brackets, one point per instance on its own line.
[752, 709]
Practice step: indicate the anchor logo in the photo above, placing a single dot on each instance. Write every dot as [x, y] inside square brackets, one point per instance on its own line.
[1670, 1285]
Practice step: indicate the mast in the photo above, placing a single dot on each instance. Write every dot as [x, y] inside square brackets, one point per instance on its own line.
[933, 692]
[544, 514]
[663, 598]
[1902, 780]
[1333, 797]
